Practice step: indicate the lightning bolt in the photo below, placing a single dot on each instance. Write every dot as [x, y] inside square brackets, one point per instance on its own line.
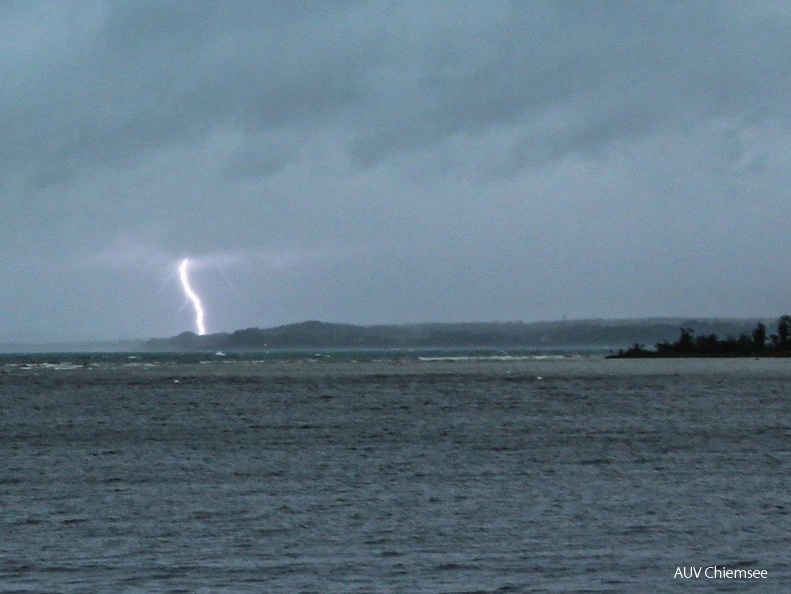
[192, 296]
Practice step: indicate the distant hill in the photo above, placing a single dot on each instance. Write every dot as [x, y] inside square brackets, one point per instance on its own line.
[578, 333]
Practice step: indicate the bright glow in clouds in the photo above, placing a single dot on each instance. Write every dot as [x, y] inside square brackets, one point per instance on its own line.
[185, 283]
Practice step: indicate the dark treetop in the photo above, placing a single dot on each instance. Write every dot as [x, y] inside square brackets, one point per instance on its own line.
[757, 343]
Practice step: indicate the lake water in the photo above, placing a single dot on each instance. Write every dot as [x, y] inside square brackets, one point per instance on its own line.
[429, 472]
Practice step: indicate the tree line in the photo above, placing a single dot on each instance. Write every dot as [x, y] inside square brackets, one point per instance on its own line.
[758, 342]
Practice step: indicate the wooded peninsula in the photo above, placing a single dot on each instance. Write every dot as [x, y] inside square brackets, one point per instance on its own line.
[756, 344]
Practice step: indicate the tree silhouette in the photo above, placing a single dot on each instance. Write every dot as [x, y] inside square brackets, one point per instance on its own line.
[783, 332]
[759, 337]
[686, 343]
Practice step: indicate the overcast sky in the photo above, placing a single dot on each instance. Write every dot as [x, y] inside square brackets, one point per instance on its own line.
[387, 162]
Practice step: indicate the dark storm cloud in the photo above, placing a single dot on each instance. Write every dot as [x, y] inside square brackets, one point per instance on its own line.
[134, 76]
[392, 161]
[602, 71]
[144, 74]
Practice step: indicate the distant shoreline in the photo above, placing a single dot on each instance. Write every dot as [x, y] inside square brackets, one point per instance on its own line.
[604, 334]
[757, 343]
[585, 333]
[655, 355]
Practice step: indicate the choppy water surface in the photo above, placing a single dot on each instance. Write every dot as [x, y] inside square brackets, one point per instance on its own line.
[436, 475]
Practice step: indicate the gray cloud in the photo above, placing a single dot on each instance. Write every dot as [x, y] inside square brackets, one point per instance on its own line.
[402, 161]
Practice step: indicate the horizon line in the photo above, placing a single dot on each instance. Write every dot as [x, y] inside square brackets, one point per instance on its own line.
[40, 344]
